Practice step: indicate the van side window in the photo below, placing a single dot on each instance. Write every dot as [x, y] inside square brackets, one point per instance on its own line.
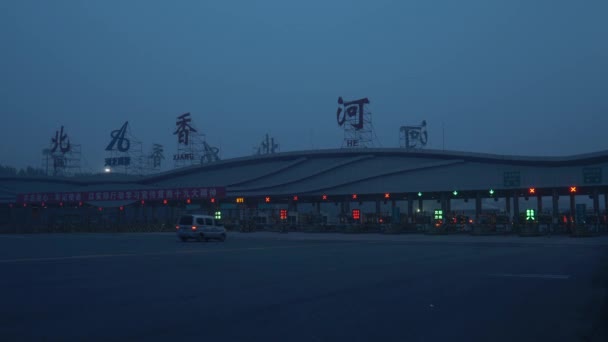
[185, 220]
[200, 221]
[208, 222]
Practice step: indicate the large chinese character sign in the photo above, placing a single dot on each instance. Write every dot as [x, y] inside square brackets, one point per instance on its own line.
[124, 152]
[63, 156]
[354, 117]
[189, 142]
[192, 148]
[413, 137]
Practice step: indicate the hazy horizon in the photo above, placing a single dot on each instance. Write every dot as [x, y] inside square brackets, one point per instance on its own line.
[503, 77]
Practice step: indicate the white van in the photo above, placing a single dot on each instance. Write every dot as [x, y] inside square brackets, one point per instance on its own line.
[200, 228]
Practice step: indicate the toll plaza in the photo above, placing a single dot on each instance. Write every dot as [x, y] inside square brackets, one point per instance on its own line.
[370, 190]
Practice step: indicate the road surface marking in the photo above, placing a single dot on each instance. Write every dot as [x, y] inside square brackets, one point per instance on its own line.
[539, 276]
[178, 252]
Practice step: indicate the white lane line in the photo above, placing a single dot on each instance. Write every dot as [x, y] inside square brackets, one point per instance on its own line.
[538, 276]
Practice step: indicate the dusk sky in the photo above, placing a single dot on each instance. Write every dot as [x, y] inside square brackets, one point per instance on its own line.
[507, 77]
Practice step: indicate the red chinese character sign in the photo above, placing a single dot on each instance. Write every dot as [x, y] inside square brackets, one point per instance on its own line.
[356, 120]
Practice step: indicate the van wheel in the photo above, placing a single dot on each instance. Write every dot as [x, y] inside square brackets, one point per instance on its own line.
[223, 237]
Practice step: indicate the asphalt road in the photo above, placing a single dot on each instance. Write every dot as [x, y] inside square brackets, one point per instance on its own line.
[302, 287]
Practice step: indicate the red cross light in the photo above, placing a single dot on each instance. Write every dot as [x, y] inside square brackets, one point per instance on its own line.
[387, 195]
[165, 202]
[188, 201]
[572, 189]
[267, 199]
[324, 197]
[212, 199]
[532, 190]
[354, 196]
[295, 198]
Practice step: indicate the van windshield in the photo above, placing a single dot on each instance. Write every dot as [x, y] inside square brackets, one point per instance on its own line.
[185, 220]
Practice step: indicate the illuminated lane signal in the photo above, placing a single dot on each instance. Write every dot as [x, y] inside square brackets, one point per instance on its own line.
[491, 192]
[240, 200]
[573, 189]
[387, 195]
[212, 199]
[438, 214]
[354, 196]
[530, 215]
[142, 202]
[283, 214]
[267, 199]
[295, 198]
[455, 193]
[121, 208]
[165, 202]
[188, 201]
[532, 191]
[324, 197]
[419, 194]
[218, 215]
[356, 214]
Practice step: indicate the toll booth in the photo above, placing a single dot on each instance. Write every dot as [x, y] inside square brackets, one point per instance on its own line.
[503, 223]
[545, 223]
[438, 219]
[528, 225]
[423, 222]
[485, 224]
[458, 223]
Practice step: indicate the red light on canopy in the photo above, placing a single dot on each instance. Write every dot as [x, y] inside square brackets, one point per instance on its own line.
[295, 198]
[212, 199]
[532, 190]
[324, 197]
[356, 214]
[121, 208]
[80, 204]
[572, 189]
[354, 196]
[267, 199]
[387, 195]
[165, 202]
[61, 204]
[188, 201]
[143, 202]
